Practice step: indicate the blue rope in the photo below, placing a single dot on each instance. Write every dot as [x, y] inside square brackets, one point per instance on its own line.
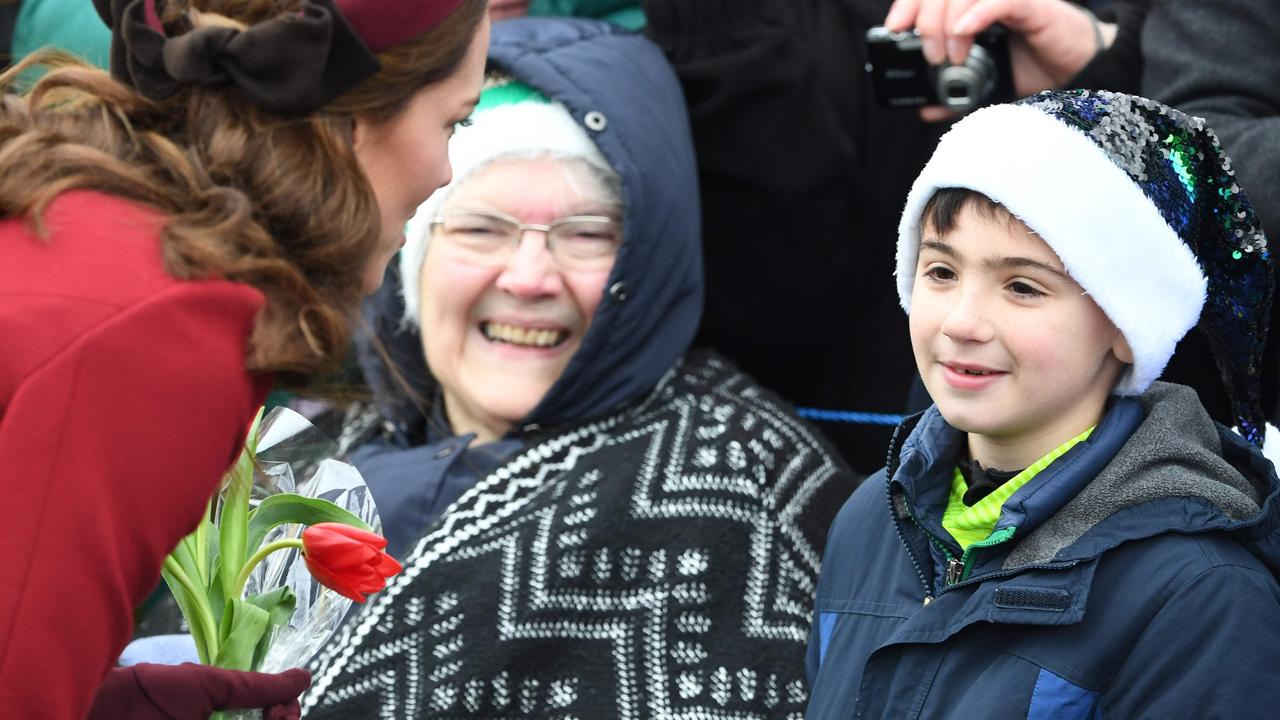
[846, 416]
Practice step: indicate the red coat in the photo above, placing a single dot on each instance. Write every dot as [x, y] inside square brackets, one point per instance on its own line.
[123, 399]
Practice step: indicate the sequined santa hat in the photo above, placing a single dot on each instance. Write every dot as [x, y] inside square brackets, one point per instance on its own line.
[1141, 205]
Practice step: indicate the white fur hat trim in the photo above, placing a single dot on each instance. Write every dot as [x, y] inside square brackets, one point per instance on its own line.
[1109, 236]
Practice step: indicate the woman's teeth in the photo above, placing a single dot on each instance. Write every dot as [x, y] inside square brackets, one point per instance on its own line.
[525, 337]
[973, 372]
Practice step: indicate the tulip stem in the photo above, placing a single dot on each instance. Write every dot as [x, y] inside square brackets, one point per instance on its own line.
[259, 556]
[200, 603]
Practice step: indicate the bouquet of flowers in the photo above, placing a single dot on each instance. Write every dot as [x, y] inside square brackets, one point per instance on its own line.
[237, 579]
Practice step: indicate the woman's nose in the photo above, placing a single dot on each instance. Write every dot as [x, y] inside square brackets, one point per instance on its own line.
[531, 271]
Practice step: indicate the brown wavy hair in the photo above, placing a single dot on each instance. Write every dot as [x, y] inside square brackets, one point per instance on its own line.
[279, 204]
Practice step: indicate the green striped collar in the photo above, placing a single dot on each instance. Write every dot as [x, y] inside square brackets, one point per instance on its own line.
[970, 525]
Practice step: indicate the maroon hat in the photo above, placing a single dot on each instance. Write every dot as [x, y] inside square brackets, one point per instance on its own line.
[383, 24]
[290, 66]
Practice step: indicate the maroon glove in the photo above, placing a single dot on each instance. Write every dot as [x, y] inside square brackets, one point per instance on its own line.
[191, 692]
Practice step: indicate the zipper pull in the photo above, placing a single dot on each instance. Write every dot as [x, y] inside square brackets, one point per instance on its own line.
[927, 599]
[955, 568]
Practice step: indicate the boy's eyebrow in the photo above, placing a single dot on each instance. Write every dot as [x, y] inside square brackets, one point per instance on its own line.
[997, 263]
[940, 246]
[1009, 263]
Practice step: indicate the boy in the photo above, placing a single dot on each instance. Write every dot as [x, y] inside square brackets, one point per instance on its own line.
[1059, 536]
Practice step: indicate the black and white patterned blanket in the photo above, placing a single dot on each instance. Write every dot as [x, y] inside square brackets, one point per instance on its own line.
[659, 563]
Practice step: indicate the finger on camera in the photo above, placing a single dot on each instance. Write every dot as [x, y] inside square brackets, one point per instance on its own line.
[1017, 15]
[958, 44]
[937, 113]
[931, 23]
[902, 15]
[958, 47]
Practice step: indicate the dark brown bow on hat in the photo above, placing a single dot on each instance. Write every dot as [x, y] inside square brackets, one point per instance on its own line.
[291, 65]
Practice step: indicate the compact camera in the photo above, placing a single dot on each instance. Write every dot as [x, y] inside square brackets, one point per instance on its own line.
[901, 77]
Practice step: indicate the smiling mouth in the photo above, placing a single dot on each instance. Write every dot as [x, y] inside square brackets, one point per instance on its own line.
[521, 336]
[972, 371]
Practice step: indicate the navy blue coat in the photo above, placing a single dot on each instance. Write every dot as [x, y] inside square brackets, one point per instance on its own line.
[652, 303]
[1139, 582]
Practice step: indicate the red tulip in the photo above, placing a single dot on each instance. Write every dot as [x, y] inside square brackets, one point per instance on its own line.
[348, 560]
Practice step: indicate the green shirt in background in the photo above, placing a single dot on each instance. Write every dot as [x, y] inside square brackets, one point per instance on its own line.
[626, 13]
[71, 25]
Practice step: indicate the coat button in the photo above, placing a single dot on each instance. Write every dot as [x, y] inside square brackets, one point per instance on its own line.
[595, 120]
[618, 291]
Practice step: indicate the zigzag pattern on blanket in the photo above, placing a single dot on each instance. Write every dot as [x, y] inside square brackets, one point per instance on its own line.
[657, 563]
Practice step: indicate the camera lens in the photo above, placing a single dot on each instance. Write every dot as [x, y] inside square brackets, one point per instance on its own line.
[963, 88]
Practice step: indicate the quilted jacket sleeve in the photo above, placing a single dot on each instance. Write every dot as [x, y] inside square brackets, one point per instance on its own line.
[1210, 651]
[109, 452]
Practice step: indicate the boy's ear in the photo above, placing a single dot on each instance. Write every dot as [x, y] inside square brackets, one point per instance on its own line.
[1122, 350]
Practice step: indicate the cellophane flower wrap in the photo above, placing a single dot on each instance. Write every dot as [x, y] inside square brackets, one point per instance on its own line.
[242, 579]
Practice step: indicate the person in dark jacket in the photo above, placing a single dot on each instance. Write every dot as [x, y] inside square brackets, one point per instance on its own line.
[1060, 536]
[801, 176]
[594, 521]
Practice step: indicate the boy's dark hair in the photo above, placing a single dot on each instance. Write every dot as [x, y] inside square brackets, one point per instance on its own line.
[942, 210]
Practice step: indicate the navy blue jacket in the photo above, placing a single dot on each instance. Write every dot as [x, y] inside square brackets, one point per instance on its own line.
[1138, 582]
[653, 298]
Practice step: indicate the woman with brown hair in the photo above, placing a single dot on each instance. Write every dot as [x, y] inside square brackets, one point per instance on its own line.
[175, 238]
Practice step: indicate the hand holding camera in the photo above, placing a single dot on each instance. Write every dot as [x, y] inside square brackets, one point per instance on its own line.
[1048, 43]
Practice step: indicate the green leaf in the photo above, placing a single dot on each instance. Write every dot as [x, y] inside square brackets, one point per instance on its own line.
[192, 601]
[200, 544]
[232, 529]
[185, 554]
[279, 604]
[186, 604]
[251, 440]
[243, 625]
[291, 508]
[217, 601]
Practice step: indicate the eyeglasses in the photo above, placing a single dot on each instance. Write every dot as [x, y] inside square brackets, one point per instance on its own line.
[487, 237]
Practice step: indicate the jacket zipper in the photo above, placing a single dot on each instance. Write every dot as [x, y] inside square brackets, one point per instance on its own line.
[957, 569]
[966, 564]
[890, 469]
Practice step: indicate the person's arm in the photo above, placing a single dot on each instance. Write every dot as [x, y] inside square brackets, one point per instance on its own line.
[191, 692]
[1210, 652]
[1119, 67]
[109, 452]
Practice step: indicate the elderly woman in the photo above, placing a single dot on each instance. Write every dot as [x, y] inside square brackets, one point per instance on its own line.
[594, 523]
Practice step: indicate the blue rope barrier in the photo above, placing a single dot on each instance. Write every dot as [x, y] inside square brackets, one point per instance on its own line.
[846, 416]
